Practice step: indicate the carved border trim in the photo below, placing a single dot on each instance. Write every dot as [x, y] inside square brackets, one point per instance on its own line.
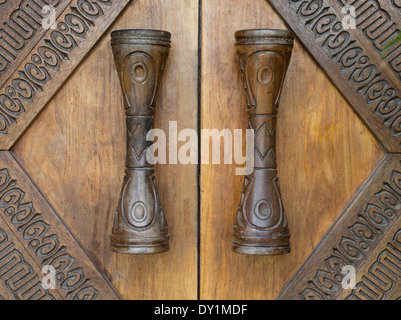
[369, 223]
[32, 235]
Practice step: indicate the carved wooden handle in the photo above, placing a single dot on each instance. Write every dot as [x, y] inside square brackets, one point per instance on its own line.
[139, 225]
[261, 224]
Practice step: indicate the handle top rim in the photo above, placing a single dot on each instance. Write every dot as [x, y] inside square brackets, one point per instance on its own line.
[266, 35]
[139, 34]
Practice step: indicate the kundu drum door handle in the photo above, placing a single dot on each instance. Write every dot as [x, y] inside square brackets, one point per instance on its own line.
[261, 224]
[139, 226]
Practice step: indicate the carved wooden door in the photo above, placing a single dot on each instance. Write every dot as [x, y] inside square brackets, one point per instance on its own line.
[63, 142]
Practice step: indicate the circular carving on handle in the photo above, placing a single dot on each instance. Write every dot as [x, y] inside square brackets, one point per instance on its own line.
[265, 75]
[139, 212]
[397, 3]
[263, 209]
[139, 72]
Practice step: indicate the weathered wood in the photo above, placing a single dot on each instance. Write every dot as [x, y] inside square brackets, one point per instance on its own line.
[353, 58]
[140, 226]
[32, 236]
[75, 152]
[76, 149]
[324, 154]
[367, 236]
[261, 226]
[46, 59]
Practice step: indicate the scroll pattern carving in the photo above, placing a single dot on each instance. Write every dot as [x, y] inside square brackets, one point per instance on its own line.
[381, 96]
[361, 238]
[41, 242]
[356, 239]
[18, 275]
[24, 22]
[378, 28]
[45, 61]
[396, 3]
[382, 275]
[374, 93]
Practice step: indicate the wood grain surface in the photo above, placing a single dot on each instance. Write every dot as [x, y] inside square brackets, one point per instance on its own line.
[32, 236]
[76, 152]
[324, 153]
[367, 236]
[359, 58]
[45, 58]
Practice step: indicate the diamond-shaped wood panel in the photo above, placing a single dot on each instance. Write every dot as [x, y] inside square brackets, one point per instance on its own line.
[34, 239]
[358, 44]
[324, 154]
[75, 151]
[41, 42]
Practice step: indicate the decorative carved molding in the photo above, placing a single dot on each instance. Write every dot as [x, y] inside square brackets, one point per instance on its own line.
[261, 224]
[139, 225]
[32, 236]
[35, 62]
[367, 236]
[21, 29]
[353, 57]
[383, 276]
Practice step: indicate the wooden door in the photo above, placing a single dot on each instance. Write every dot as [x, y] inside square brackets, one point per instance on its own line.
[337, 148]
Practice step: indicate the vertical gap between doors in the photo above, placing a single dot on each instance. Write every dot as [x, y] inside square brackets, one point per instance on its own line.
[199, 148]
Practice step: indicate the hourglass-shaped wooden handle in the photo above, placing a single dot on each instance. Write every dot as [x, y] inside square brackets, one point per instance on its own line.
[139, 226]
[261, 224]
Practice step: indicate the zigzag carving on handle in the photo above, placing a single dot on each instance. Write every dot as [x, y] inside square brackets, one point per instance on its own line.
[261, 224]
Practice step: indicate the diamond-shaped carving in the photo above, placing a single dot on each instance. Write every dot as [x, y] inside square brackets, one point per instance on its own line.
[264, 139]
[138, 141]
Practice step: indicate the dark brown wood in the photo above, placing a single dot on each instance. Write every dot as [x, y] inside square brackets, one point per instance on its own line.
[34, 63]
[32, 235]
[367, 236]
[261, 224]
[140, 226]
[353, 58]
